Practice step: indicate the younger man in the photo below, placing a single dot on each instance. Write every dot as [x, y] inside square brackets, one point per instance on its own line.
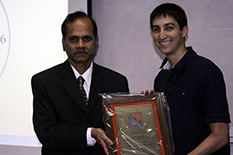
[194, 87]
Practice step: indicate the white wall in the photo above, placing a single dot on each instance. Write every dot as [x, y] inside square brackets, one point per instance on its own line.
[126, 44]
[33, 44]
[75, 5]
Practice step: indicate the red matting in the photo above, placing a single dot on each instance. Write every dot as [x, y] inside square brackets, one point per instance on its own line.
[115, 129]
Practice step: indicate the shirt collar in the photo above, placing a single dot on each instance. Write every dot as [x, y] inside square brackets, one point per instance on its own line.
[183, 63]
[86, 75]
[167, 66]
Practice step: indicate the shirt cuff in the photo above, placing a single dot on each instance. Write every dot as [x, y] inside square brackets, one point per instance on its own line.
[90, 141]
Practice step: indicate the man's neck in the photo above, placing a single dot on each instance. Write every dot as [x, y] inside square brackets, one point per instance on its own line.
[81, 67]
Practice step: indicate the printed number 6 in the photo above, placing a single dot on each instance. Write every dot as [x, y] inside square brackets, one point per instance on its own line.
[3, 39]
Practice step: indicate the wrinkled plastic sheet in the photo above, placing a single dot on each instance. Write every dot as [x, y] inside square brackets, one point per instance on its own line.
[138, 124]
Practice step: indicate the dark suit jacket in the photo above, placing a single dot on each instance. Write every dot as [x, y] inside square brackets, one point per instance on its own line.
[60, 116]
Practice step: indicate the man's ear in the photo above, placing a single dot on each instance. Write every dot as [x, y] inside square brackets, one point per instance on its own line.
[63, 44]
[185, 31]
[96, 42]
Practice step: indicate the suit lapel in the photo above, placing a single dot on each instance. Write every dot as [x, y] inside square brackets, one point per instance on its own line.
[71, 86]
[97, 86]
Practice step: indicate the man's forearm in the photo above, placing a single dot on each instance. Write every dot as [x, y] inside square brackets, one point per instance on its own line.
[218, 137]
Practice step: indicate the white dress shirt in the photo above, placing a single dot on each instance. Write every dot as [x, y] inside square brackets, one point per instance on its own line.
[87, 84]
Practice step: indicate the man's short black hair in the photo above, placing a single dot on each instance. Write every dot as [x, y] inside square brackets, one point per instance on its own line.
[172, 10]
[77, 15]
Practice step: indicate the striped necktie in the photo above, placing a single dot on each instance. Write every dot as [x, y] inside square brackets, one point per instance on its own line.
[81, 82]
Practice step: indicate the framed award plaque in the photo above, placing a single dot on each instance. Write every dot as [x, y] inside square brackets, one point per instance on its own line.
[137, 124]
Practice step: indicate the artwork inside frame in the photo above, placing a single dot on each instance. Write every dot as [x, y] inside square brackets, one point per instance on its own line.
[138, 124]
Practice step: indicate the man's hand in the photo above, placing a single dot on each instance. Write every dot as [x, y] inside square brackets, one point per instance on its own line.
[101, 138]
[147, 92]
[151, 92]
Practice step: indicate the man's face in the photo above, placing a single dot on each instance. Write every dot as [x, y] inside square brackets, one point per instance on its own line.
[167, 35]
[80, 43]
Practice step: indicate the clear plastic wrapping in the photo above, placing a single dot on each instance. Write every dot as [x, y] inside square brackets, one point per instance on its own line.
[138, 124]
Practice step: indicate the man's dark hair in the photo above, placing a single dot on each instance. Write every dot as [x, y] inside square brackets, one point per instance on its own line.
[172, 10]
[72, 17]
